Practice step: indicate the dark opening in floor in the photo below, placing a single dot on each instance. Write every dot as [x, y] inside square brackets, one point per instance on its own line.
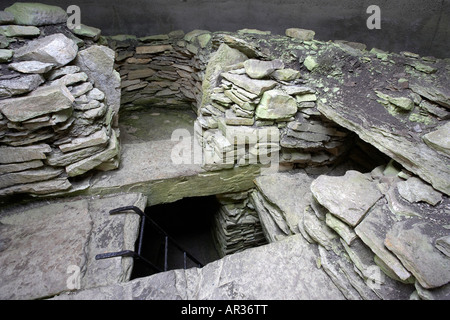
[189, 223]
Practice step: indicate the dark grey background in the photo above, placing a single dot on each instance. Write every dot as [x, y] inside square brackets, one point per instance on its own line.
[421, 26]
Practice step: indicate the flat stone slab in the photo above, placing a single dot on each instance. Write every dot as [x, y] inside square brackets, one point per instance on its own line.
[46, 249]
[147, 168]
[347, 197]
[372, 230]
[42, 101]
[281, 270]
[413, 242]
[289, 192]
[417, 142]
[36, 14]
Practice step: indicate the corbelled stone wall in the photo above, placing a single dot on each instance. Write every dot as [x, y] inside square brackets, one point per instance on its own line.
[161, 70]
[60, 98]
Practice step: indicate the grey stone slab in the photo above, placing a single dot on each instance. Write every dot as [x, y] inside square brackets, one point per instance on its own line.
[31, 67]
[6, 55]
[50, 248]
[56, 49]
[284, 270]
[258, 69]
[412, 241]
[23, 154]
[219, 60]
[318, 230]
[98, 63]
[438, 139]
[275, 104]
[97, 138]
[342, 271]
[272, 230]
[301, 34]
[415, 190]
[28, 176]
[20, 85]
[89, 163]
[39, 188]
[372, 231]
[42, 101]
[21, 166]
[347, 197]
[19, 31]
[257, 87]
[289, 192]
[36, 14]
[42, 247]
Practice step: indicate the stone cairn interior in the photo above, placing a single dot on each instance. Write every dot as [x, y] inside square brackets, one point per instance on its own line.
[329, 161]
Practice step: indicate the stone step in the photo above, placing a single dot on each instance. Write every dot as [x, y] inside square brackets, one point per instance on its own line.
[74, 232]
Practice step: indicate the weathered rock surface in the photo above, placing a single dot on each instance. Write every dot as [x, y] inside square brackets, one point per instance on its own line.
[28, 176]
[31, 67]
[373, 229]
[347, 197]
[285, 197]
[302, 34]
[18, 86]
[23, 154]
[257, 69]
[95, 160]
[19, 31]
[98, 63]
[275, 104]
[415, 190]
[396, 131]
[56, 49]
[36, 14]
[253, 86]
[413, 243]
[40, 102]
[438, 139]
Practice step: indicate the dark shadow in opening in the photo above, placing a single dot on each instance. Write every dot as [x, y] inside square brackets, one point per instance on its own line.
[189, 222]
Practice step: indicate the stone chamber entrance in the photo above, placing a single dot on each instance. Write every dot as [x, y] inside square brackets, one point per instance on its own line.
[292, 168]
[190, 223]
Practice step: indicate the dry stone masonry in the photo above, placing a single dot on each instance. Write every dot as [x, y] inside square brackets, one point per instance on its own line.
[237, 226]
[60, 101]
[356, 208]
[160, 70]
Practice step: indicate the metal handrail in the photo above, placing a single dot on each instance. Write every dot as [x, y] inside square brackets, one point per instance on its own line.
[167, 239]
